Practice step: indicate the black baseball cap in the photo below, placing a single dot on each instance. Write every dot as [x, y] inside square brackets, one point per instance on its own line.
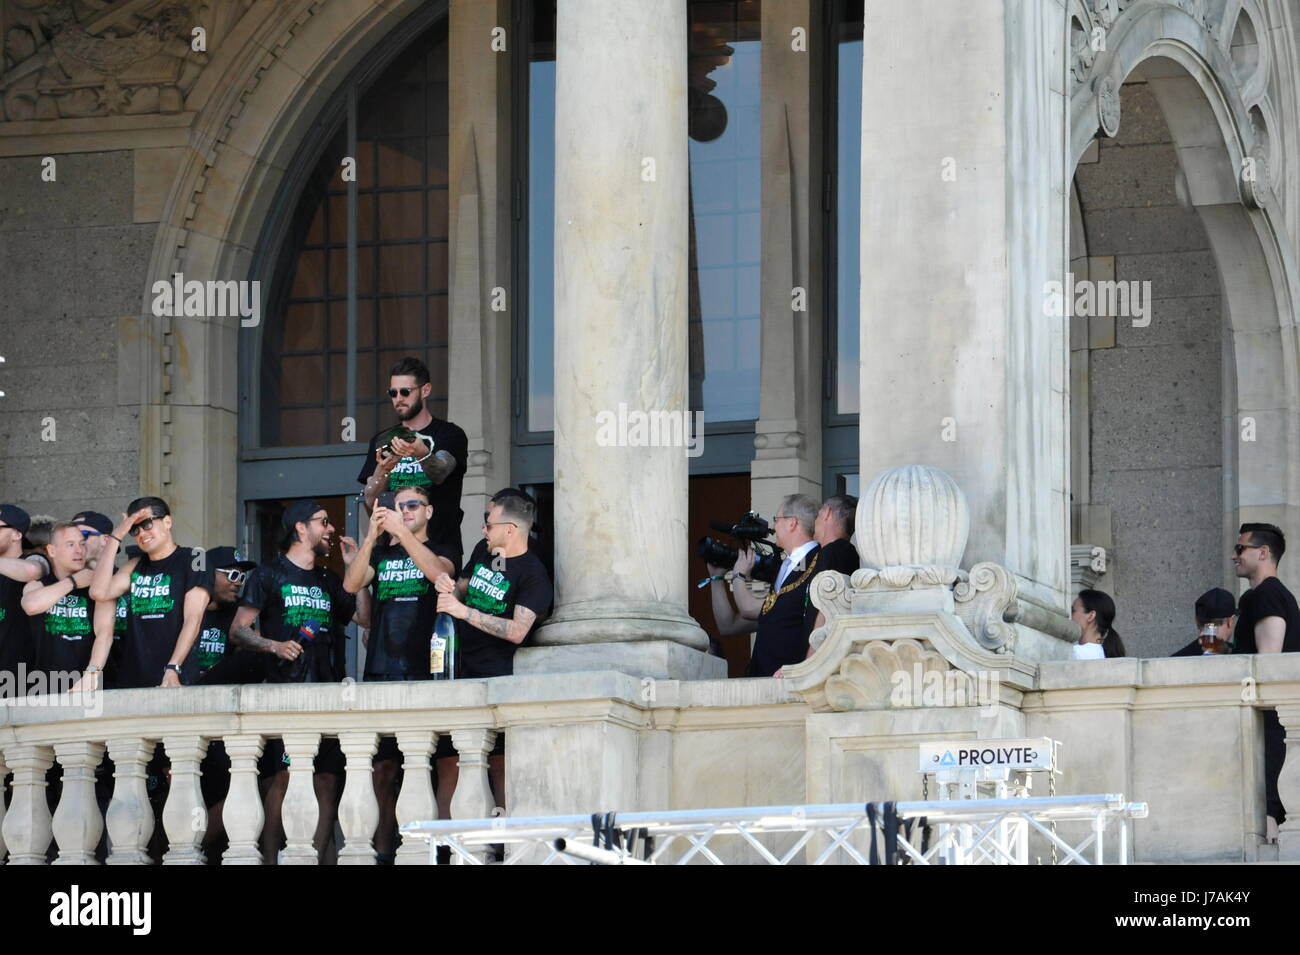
[94, 520]
[11, 515]
[223, 557]
[299, 512]
[1216, 604]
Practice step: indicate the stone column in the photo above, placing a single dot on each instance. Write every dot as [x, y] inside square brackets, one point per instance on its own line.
[620, 340]
[300, 812]
[358, 810]
[129, 817]
[242, 814]
[480, 225]
[77, 821]
[185, 817]
[415, 803]
[788, 433]
[1288, 786]
[27, 824]
[963, 226]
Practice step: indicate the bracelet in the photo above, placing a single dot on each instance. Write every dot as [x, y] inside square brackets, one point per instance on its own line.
[116, 538]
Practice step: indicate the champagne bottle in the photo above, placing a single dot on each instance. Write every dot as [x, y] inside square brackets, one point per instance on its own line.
[442, 648]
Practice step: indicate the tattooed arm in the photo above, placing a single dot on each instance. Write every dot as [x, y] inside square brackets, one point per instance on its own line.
[242, 632]
[513, 629]
[438, 466]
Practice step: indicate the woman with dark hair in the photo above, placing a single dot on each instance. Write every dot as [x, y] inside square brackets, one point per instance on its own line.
[1093, 611]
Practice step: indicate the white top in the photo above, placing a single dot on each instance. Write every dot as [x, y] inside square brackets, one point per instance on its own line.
[793, 560]
[1088, 651]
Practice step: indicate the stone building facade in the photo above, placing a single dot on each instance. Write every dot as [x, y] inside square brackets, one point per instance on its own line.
[850, 240]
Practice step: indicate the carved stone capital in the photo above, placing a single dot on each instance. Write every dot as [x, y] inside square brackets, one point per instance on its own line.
[859, 656]
[1087, 565]
[904, 578]
[985, 600]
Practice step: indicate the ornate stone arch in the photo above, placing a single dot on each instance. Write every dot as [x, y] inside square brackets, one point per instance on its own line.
[1224, 107]
[265, 88]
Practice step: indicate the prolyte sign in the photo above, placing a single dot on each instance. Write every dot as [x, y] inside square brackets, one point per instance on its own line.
[994, 753]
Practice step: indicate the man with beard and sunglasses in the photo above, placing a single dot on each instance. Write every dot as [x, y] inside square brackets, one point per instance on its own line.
[436, 460]
[302, 611]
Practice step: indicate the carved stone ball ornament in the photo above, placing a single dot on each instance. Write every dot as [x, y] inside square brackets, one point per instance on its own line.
[912, 516]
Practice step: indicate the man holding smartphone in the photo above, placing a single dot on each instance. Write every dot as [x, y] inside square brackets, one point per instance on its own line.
[433, 456]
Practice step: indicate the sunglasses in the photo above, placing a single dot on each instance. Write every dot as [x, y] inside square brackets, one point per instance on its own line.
[1238, 548]
[144, 525]
[404, 392]
[234, 575]
[489, 524]
[411, 505]
[87, 532]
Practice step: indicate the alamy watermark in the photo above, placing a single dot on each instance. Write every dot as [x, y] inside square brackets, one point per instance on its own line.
[918, 687]
[133, 910]
[1090, 298]
[51, 688]
[208, 299]
[635, 428]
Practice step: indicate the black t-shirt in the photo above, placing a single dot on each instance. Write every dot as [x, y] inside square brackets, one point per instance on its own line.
[15, 628]
[522, 582]
[214, 636]
[444, 528]
[65, 634]
[839, 555]
[402, 613]
[290, 598]
[113, 667]
[155, 614]
[1269, 599]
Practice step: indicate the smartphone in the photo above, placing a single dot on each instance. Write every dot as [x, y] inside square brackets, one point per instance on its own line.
[387, 499]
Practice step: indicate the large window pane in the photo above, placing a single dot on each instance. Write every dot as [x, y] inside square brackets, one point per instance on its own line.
[848, 209]
[402, 230]
[724, 99]
[541, 219]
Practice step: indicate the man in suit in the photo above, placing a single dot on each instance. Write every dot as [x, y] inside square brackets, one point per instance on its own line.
[782, 635]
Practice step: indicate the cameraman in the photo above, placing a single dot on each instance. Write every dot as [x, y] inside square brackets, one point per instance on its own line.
[782, 637]
[833, 532]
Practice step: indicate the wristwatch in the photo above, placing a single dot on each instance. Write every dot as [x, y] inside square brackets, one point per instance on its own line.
[91, 668]
[174, 667]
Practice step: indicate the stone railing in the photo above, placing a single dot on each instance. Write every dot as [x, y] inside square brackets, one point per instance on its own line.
[126, 725]
[577, 742]
[1184, 735]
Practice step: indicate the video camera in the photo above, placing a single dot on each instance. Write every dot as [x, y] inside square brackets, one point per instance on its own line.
[753, 530]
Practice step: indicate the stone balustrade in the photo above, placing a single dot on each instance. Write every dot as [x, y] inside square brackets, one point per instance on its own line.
[77, 732]
[1184, 735]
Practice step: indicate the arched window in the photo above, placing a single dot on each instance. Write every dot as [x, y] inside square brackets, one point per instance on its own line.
[343, 312]
[353, 261]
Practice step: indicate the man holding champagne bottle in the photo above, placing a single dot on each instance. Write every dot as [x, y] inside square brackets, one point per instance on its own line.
[404, 605]
[502, 593]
